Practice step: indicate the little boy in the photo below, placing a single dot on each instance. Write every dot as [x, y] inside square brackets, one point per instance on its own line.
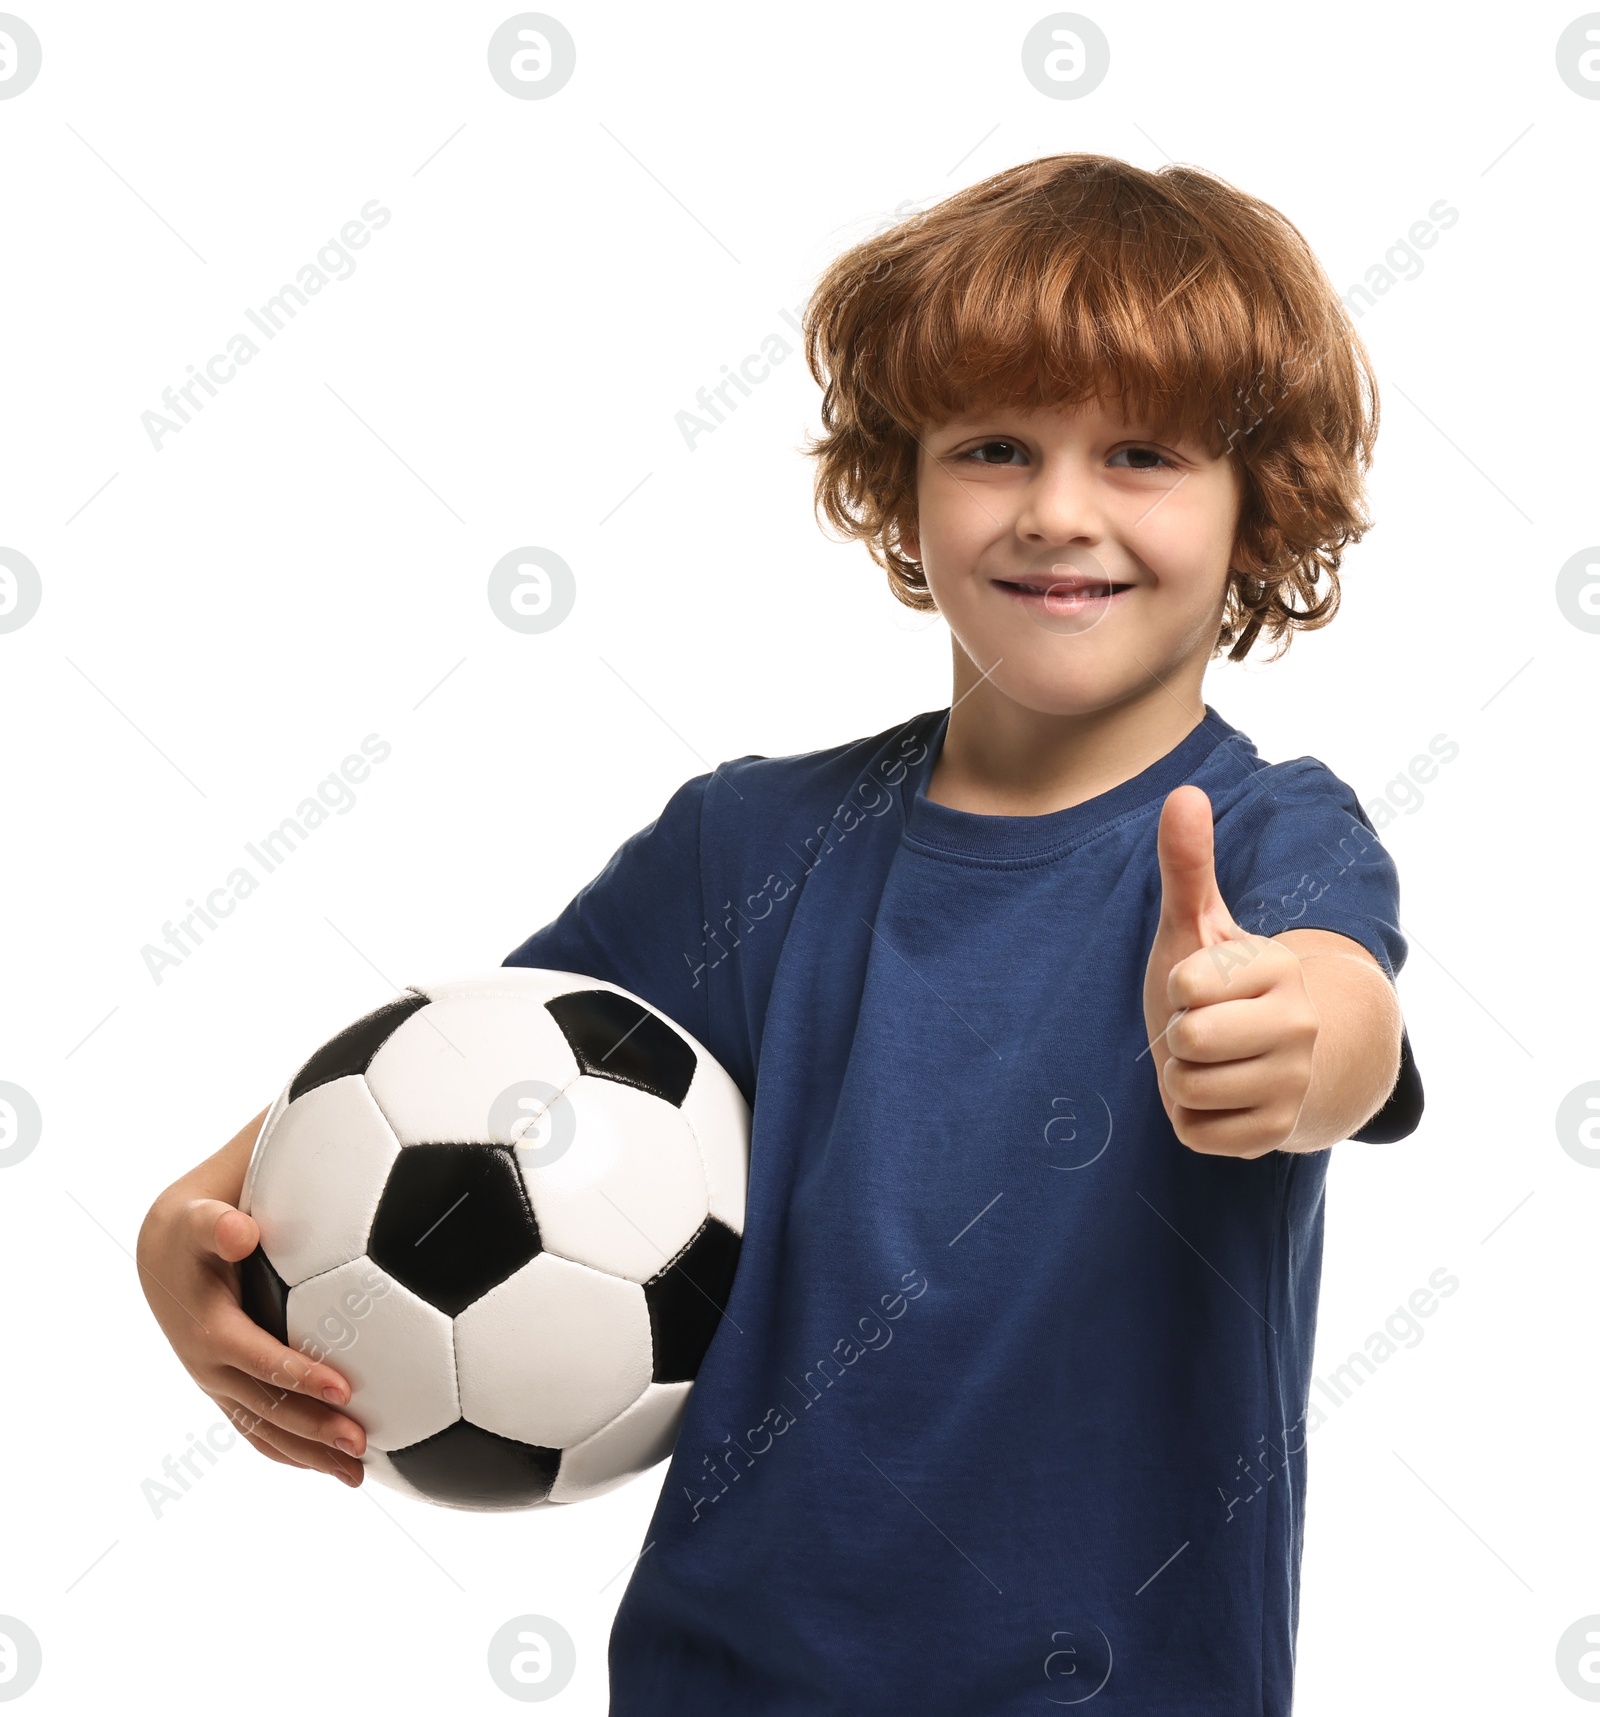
[1049, 1005]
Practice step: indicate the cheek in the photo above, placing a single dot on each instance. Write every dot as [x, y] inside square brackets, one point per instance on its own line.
[1182, 558]
[949, 533]
[1187, 546]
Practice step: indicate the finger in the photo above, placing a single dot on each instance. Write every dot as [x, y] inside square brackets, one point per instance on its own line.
[1223, 1031]
[300, 1450]
[1191, 902]
[263, 1447]
[1217, 1085]
[238, 1340]
[1231, 968]
[300, 1453]
[1247, 1133]
[295, 1414]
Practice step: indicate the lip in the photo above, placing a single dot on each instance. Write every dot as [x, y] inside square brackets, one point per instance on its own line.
[1074, 595]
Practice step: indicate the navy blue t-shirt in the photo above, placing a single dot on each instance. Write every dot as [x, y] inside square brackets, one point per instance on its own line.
[1008, 1404]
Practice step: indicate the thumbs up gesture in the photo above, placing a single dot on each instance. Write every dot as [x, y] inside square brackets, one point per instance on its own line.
[1230, 1022]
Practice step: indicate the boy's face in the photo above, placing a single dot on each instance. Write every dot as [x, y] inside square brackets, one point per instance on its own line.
[1025, 519]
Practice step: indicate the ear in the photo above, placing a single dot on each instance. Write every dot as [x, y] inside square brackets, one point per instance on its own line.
[910, 541]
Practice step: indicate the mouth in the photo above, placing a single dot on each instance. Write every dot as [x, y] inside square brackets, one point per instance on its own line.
[1071, 594]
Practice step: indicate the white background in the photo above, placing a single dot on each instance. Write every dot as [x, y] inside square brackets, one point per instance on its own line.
[306, 562]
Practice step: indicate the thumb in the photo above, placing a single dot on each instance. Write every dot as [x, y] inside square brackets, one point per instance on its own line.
[1192, 906]
[222, 1230]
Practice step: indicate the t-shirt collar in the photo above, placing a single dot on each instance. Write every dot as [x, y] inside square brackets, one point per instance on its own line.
[973, 834]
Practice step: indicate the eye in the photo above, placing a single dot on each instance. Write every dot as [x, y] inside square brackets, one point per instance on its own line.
[1140, 455]
[996, 453]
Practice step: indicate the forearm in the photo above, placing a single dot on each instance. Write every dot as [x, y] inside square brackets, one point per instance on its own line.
[1356, 1060]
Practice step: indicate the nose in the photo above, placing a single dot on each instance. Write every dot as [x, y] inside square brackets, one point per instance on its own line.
[1060, 507]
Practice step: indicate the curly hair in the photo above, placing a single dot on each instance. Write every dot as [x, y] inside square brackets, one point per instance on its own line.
[1078, 277]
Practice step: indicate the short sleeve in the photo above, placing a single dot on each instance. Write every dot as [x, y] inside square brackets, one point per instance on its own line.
[1296, 851]
[640, 922]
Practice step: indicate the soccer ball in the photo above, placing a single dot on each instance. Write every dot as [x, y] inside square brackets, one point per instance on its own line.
[507, 1209]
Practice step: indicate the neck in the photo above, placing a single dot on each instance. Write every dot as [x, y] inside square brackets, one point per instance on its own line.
[1001, 759]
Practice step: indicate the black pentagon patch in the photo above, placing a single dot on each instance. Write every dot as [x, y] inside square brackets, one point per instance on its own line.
[264, 1295]
[353, 1049]
[614, 1038]
[468, 1467]
[686, 1301]
[453, 1220]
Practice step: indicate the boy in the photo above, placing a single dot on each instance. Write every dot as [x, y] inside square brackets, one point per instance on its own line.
[1049, 1005]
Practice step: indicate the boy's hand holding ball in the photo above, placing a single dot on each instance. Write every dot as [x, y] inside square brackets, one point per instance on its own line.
[1231, 1024]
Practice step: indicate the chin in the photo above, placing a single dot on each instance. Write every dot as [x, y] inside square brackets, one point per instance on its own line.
[1065, 688]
